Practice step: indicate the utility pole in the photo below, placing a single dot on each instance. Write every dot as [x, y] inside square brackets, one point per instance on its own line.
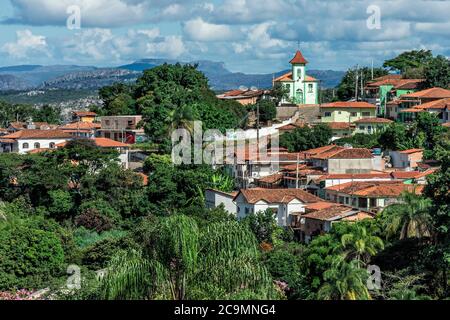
[296, 177]
[257, 129]
[362, 88]
[372, 69]
[356, 83]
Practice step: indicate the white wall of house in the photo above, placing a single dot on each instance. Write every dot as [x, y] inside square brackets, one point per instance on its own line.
[43, 144]
[350, 165]
[283, 210]
[215, 198]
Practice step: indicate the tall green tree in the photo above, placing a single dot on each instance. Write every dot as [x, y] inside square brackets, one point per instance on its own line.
[437, 72]
[346, 89]
[409, 60]
[184, 262]
[409, 218]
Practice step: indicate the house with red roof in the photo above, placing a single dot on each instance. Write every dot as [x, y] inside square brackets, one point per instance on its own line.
[302, 89]
[370, 195]
[406, 159]
[282, 202]
[243, 96]
[27, 140]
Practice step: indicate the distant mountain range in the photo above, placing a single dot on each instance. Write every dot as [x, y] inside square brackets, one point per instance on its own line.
[28, 77]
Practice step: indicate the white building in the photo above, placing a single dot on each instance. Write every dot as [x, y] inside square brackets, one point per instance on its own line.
[215, 198]
[27, 140]
[283, 202]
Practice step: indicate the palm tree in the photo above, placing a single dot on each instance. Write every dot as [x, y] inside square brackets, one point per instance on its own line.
[181, 117]
[361, 245]
[344, 281]
[411, 217]
[187, 262]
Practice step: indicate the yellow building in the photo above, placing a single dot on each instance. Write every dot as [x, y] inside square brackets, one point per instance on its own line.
[348, 111]
[83, 116]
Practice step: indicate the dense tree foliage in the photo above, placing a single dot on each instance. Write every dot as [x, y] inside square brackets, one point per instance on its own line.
[305, 138]
[347, 87]
[24, 112]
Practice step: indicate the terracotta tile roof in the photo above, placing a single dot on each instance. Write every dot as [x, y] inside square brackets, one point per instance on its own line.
[348, 104]
[437, 104]
[241, 93]
[411, 174]
[388, 77]
[277, 195]
[81, 126]
[373, 120]
[359, 216]
[288, 77]
[37, 134]
[447, 124]
[101, 142]
[230, 194]
[298, 58]
[410, 151]
[310, 79]
[389, 189]
[382, 175]
[293, 167]
[318, 150]
[319, 206]
[345, 153]
[273, 178]
[432, 93]
[38, 125]
[335, 213]
[338, 125]
[284, 77]
[408, 84]
[84, 113]
[109, 143]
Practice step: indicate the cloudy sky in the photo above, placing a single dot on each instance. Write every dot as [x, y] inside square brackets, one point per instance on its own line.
[253, 36]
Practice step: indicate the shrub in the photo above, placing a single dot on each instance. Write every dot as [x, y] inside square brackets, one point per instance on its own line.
[93, 220]
[29, 257]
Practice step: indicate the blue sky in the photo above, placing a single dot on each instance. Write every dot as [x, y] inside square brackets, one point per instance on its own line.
[252, 36]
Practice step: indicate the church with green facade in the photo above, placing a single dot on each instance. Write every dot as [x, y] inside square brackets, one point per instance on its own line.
[302, 89]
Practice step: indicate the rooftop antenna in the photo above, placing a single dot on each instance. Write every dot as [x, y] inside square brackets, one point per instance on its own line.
[356, 87]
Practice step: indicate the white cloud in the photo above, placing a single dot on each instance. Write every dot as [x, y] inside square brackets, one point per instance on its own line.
[101, 45]
[26, 44]
[199, 30]
[94, 13]
[171, 47]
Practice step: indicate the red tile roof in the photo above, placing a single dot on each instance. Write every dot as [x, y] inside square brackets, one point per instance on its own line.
[373, 120]
[411, 174]
[319, 206]
[84, 113]
[338, 212]
[373, 189]
[348, 104]
[277, 195]
[410, 151]
[101, 142]
[345, 153]
[81, 126]
[273, 178]
[37, 134]
[437, 104]
[298, 58]
[382, 175]
[288, 77]
[432, 93]
[338, 125]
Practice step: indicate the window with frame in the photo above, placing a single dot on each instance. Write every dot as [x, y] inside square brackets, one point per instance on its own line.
[327, 114]
[353, 114]
[310, 88]
[37, 145]
[366, 114]
[25, 145]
